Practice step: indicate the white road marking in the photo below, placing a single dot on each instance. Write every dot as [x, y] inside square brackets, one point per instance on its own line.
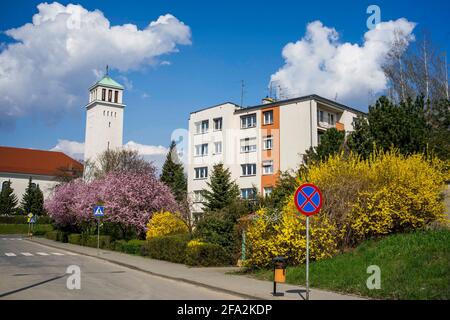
[57, 253]
[10, 254]
[71, 253]
[27, 254]
[42, 253]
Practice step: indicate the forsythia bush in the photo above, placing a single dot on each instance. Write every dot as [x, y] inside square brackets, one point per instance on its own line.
[287, 237]
[165, 223]
[385, 194]
[405, 195]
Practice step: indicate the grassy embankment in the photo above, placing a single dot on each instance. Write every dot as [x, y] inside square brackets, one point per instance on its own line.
[413, 266]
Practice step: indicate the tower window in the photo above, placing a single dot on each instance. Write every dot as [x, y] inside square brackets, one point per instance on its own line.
[115, 114]
[107, 113]
[108, 145]
[103, 112]
[109, 95]
[103, 94]
[116, 96]
[110, 124]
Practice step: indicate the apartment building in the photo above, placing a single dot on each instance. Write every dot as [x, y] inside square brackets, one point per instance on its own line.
[257, 142]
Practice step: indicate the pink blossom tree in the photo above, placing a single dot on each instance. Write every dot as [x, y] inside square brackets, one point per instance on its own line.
[130, 198]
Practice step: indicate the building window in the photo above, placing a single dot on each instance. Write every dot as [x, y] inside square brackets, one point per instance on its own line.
[331, 119]
[319, 137]
[201, 150]
[107, 113]
[320, 115]
[248, 169]
[198, 196]
[267, 167]
[115, 114]
[218, 147]
[116, 96]
[202, 126]
[108, 145]
[218, 124]
[104, 94]
[248, 193]
[268, 117]
[267, 191]
[268, 143]
[109, 95]
[248, 145]
[109, 124]
[201, 173]
[104, 112]
[248, 121]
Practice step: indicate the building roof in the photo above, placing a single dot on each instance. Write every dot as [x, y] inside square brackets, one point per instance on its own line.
[217, 105]
[289, 101]
[107, 81]
[42, 162]
[300, 99]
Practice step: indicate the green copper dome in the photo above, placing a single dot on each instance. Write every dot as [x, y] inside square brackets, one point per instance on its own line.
[107, 81]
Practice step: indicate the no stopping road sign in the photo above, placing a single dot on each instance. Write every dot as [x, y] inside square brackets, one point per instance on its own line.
[308, 199]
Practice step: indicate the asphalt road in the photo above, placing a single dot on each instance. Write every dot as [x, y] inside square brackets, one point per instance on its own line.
[33, 271]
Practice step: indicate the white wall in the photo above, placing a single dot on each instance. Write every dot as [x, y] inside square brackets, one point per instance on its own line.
[226, 112]
[19, 182]
[298, 131]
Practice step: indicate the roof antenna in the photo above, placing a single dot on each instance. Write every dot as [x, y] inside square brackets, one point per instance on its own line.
[107, 70]
[336, 96]
[242, 93]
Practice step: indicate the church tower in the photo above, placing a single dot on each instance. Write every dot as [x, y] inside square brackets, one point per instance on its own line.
[104, 118]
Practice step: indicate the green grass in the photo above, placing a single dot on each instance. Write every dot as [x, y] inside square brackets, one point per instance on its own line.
[413, 266]
[39, 229]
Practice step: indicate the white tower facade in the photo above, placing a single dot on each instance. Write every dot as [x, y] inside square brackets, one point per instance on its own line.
[104, 118]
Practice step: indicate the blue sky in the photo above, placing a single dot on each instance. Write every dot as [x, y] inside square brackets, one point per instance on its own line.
[230, 41]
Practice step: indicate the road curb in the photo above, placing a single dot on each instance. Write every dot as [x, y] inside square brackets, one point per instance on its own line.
[200, 284]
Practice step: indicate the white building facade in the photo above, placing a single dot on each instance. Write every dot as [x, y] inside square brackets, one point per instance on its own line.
[256, 143]
[104, 118]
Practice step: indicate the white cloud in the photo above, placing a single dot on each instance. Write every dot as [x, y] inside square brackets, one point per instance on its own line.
[146, 150]
[73, 149]
[57, 56]
[320, 64]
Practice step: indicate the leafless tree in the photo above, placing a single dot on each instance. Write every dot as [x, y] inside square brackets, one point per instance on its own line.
[116, 160]
[419, 69]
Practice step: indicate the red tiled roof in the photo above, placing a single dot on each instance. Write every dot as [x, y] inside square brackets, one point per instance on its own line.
[29, 161]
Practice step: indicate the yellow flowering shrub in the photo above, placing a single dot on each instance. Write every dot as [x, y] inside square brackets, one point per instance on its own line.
[406, 195]
[287, 237]
[385, 194]
[165, 223]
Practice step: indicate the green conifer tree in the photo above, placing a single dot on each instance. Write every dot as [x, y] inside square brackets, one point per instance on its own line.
[222, 191]
[8, 200]
[173, 174]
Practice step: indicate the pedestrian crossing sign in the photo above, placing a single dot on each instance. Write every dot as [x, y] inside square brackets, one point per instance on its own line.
[99, 211]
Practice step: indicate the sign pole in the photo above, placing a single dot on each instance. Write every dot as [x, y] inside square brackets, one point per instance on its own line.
[98, 236]
[307, 258]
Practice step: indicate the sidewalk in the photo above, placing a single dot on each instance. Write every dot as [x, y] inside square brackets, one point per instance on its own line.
[213, 278]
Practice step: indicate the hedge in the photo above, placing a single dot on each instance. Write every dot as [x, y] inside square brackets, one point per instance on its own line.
[132, 246]
[89, 240]
[22, 219]
[23, 229]
[206, 254]
[57, 235]
[169, 248]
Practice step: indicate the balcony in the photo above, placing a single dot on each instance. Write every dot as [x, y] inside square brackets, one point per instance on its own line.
[325, 126]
